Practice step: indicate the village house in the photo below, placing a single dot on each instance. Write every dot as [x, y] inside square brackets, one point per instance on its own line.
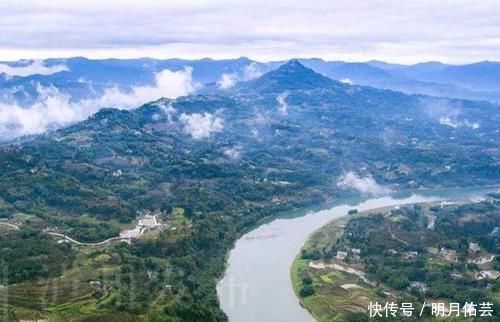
[448, 254]
[355, 252]
[474, 247]
[482, 260]
[410, 254]
[341, 255]
[419, 286]
[392, 251]
[487, 274]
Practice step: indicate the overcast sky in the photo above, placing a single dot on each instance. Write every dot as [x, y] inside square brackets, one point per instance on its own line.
[405, 31]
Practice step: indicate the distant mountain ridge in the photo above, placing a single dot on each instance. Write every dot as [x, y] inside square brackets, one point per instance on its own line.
[85, 77]
[78, 87]
[474, 81]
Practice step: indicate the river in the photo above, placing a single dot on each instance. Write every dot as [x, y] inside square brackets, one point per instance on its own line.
[256, 286]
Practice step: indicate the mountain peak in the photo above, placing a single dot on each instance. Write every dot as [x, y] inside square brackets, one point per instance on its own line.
[293, 63]
[294, 66]
[291, 76]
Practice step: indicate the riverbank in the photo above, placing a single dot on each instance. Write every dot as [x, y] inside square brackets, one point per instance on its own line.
[353, 287]
[251, 291]
[330, 274]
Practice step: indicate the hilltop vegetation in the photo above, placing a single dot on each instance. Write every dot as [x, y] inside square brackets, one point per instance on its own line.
[230, 160]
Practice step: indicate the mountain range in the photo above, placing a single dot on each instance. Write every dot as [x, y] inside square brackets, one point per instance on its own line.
[213, 164]
[37, 96]
[83, 77]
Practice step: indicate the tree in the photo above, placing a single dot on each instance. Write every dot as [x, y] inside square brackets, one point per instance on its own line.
[306, 290]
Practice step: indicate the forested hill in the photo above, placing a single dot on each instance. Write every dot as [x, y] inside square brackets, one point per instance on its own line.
[290, 139]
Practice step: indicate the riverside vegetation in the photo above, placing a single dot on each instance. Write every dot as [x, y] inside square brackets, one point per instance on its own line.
[414, 254]
[214, 165]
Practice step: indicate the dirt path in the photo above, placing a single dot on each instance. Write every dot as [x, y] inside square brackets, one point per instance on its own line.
[9, 225]
[69, 238]
[86, 244]
[397, 238]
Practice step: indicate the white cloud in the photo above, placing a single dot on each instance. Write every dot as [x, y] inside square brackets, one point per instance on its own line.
[201, 126]
[283, 106]
[227, 81]
[366, 185]
[249, 72]
[233, 153]
[252, 71]
[446, 120]
[455, 123]
[36, 67]
[347, 81]
[472, 125]
[167, 109]
[447, 112]
[255, 133]
[168, 84]
[54, 109]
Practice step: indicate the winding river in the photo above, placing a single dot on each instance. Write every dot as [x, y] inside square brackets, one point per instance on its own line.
[256, 285]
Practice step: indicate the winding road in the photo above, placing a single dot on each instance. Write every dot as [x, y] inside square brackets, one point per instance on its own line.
[141, 228]
[86, 244]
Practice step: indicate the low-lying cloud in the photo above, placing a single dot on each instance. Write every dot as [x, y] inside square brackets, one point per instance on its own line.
[281, 99]
[201, 126]
[227, 81]
[168, 84]
[168, 109]
[233, 153]
[455, 123]
[252, 71]
[448, 113]
[366, 185]
[36, 67]
[54, 109]
[249, 72]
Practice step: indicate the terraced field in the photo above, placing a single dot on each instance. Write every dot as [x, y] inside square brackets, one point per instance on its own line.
[337, 294]
[396, 255]
[85, 288]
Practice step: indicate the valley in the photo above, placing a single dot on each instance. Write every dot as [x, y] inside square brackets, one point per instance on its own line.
[215, 165]
[249, 161]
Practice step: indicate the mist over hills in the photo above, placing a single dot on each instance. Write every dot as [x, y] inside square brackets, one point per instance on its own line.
[481, 76]
[214, 163]
[36, 96]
